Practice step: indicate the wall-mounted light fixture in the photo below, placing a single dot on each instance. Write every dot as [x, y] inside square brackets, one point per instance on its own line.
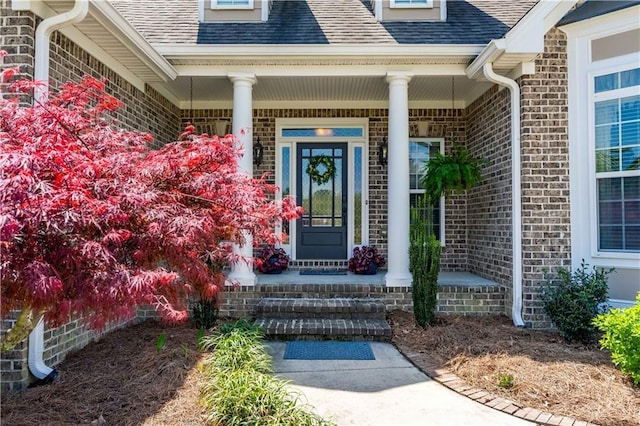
[258, 153]
[383, 152]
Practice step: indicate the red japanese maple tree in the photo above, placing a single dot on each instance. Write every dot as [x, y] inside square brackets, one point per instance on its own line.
[94, 223]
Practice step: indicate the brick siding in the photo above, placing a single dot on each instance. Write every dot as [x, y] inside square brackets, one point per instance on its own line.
[546, 238]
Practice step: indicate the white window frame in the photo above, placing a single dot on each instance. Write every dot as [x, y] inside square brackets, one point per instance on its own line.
[413, 4]
[439, 141]
[216, 5]
[594, 175]
[581, 70]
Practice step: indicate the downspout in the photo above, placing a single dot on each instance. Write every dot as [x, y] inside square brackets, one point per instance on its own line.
[516, 190]
[43, 373]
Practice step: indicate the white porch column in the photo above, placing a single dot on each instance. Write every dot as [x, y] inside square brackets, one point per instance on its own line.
[242, 272]
[398, 181]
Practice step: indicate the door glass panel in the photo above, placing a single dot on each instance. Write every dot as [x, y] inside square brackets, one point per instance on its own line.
[286, 187]
[357, 196]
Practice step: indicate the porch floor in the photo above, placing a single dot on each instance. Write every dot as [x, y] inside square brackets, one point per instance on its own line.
[294, 277]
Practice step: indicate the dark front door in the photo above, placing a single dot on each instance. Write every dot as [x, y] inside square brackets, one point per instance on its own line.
[322, 230]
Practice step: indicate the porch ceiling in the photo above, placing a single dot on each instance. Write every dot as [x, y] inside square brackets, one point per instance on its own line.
[434, 91]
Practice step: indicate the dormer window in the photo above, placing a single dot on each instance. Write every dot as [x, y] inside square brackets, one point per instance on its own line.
[231, 4]
[412, 3]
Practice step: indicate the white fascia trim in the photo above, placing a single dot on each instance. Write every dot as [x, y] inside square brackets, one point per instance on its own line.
[264, 11]
[443, 10]
[201, 10]
[318, 70]
[112, 20]
[604, 25]
[381, 104]
[378, 10]
[182, 51]
[527, 36]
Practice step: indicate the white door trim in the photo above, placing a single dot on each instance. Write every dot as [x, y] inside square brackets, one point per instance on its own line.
[352, 143]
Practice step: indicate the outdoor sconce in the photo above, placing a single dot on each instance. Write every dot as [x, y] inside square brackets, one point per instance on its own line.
[258, 153]
[383, 152]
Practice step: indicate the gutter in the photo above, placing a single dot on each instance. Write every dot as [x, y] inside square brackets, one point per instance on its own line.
[42, 372]
[516, 190]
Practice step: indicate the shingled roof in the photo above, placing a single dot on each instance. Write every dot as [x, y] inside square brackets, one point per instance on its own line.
[323, 22]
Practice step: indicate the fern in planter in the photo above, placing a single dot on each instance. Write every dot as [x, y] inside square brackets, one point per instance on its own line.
[446, 174]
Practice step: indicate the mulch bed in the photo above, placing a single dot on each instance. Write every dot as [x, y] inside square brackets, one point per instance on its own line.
[124, 380]
[120, 380]
[548, 374]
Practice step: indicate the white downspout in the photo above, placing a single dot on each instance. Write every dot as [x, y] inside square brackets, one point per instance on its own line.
[41, 73]
[516, 190]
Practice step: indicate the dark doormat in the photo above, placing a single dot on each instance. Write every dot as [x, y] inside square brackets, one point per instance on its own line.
[329, 350]
[310, 271]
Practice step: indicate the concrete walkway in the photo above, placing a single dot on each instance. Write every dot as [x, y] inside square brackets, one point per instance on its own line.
[389, 391]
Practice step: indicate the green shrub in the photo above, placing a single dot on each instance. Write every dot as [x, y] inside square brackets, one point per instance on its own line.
[243, 324]
[240, 389]
[621, 336]
[424, 263]
[205, 313]
[574, 299]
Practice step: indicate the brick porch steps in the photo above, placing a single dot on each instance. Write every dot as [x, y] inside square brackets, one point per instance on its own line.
[352, 308]
[325, 329]
[308, 318]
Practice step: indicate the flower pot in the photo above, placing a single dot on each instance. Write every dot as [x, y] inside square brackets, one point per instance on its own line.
[372, 269]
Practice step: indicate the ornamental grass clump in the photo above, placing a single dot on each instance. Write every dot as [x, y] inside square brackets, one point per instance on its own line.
[240, 389]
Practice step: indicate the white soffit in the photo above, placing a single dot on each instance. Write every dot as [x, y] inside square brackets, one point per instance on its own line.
[325, 92]
[110, 38]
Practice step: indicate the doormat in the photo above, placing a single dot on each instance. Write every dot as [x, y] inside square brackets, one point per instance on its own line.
[310, 350]
[309, 271]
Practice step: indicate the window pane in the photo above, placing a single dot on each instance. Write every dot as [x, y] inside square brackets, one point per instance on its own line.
[631, 133]
[608, 160]
[610, 237]
[630, 78]
[609, 189]
[631, 188]
[607, 112]
[607, 82]
[632, 212]
[610, 213]
[607, 136]
[631, 158]
[632, 238]
[630, 108]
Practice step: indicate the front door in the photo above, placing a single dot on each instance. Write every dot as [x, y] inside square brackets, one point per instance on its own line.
[322, 192]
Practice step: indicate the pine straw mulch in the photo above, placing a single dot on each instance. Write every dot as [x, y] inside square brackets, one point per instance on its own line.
[123, 380]
[569, 380]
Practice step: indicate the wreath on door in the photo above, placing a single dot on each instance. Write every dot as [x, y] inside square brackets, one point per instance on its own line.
[321, 160]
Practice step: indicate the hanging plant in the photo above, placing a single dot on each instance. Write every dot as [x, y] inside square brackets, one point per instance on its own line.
[446, 174]
[321, 160]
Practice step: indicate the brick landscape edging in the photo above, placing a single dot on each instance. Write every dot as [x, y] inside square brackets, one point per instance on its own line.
[455, 383]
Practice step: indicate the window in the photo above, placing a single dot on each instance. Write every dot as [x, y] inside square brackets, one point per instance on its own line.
[232, 4]
[412, 3]
[420, 150]
[616, 133]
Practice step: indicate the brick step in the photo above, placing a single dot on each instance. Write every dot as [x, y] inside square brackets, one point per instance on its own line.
[325, 329]
[345, 308]
[322, 291]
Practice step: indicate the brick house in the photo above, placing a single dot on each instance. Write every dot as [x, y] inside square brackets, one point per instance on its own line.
[546, 91]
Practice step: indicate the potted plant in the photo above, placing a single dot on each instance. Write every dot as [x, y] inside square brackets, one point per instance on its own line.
[272, 260]
[365, 260]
